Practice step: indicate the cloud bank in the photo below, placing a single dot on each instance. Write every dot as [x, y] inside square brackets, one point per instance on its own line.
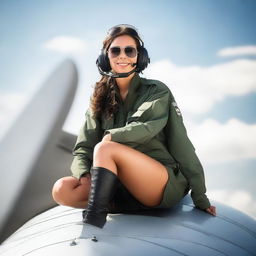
[248, 50]
[219, 143]
[197, 89]
[66, 44]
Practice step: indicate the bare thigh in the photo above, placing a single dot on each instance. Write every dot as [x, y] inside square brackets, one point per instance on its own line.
[142, 175]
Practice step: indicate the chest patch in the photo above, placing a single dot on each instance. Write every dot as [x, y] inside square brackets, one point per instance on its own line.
[178, 112]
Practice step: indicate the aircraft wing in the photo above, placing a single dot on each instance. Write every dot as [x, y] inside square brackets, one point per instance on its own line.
[31, 156]
[181, 230]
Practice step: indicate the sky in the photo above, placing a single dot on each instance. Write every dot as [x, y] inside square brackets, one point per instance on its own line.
[204, 50]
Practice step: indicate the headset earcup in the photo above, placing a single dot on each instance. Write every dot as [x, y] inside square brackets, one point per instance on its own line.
[143, 59]
[103, 61]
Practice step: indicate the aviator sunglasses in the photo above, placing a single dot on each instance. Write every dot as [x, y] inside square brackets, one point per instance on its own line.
[129, 51]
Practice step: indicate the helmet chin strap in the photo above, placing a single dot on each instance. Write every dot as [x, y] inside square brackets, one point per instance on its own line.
[117, 75]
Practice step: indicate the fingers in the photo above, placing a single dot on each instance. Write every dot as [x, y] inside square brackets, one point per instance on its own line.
[211, 210]
[107, 137]
[85, 180]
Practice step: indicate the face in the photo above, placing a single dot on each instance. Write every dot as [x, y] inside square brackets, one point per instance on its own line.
[122, 63]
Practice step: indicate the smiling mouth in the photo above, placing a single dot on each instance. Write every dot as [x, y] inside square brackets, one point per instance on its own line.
[123, 64]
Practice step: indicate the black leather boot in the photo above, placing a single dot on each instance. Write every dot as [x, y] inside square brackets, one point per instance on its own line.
[103, 187]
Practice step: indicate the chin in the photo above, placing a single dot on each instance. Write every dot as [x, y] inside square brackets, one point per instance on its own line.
[122, 70]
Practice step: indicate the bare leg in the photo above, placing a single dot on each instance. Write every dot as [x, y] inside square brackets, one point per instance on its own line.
[72, 192]
[143, 176]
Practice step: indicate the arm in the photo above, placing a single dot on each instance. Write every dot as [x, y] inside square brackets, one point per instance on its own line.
[149, 119]
[90, 134]
[183, 152]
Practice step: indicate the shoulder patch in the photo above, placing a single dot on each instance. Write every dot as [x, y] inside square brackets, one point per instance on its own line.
[178, 112]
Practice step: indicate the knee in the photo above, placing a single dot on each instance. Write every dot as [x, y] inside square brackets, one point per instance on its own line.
[104, 148]
[62, 188]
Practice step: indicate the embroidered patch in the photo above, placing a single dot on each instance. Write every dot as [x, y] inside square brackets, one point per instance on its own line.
[178, 112]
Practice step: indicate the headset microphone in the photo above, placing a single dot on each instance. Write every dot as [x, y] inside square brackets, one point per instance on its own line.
[117, 75]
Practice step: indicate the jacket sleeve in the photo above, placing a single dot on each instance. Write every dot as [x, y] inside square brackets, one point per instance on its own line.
[183, 152]
[148, 120]
[89, 135]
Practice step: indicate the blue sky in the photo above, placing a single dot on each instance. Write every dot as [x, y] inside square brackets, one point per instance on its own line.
[204, 50]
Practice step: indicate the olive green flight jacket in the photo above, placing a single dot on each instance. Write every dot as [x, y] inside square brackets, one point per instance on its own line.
[149, 121]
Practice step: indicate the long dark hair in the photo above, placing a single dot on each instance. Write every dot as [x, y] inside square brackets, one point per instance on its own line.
[103, 99]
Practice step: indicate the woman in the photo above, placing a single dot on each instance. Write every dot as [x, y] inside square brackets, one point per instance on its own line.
[133, 151]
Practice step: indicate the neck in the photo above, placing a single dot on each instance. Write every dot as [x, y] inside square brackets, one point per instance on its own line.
[123, 83]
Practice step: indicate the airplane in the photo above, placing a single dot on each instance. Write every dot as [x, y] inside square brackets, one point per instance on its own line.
[35, 152]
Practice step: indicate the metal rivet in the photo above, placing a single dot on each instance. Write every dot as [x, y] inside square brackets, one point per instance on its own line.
[73, 243]
[94, 239]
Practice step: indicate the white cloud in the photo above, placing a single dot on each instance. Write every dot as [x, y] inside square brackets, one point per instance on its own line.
[66, 44]
[248, 50]
[216, 142]
[239, 199]
[197, 89]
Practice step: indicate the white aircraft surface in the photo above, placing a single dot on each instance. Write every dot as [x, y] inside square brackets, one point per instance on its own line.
[36, 152]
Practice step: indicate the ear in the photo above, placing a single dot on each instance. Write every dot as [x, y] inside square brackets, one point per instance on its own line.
[103, 61]
[143, 59]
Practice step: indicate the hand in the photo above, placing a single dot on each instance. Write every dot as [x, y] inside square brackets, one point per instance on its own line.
[107, 137]
[211, 210]
[85, 179]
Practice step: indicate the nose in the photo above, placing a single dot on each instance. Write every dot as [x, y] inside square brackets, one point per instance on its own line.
[122, 54]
